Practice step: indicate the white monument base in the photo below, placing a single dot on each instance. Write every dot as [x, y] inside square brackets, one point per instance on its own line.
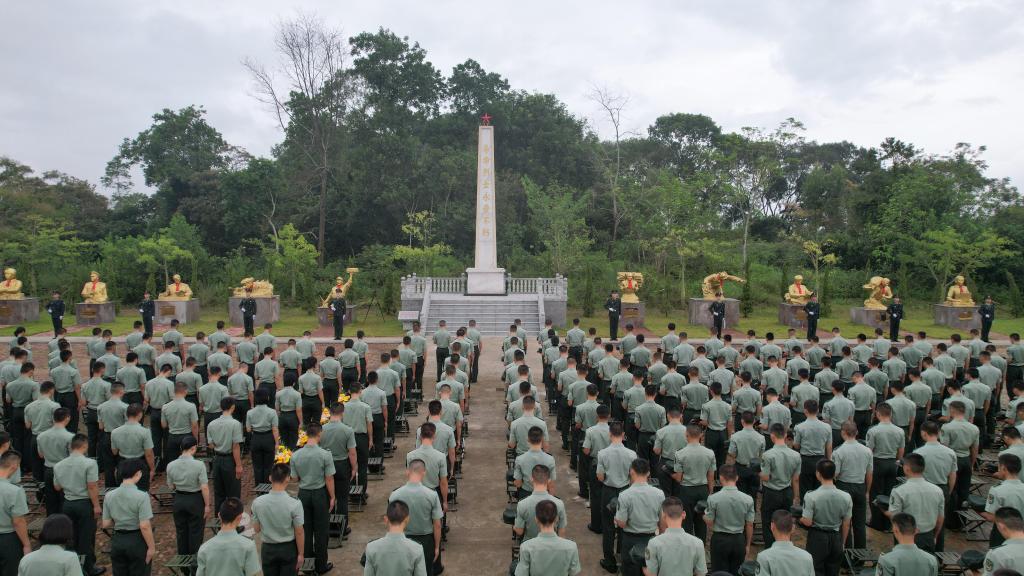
[483, 282]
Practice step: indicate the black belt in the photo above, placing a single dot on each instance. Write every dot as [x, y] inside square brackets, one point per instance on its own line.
[93, 409]
[310, 395]
[638, 534]
[225, 455]
[812, 455]
[262, 431]
[324, 487]
[817, 529]
[127, 531]
[183, 493]
[790, 487]
[863, 411]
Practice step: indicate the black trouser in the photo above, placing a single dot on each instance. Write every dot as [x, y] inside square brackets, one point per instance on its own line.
[128, 554]
[207, 418]
[858, 536]
[279, 559]
[575, 453]
[143, 483]
[808, 478]
[596, 521]
[339, 326]
[70, 401]
[883, 480]
[288, 427]
[84, 523]
[316, 511]
[714, 440]
[147, 324]
[133, 397]
[293, 371]
[894, 329]
[225, 484]
[576, 353]
[960, 492]
[348, 376]
[50, 495]
[926, 540]
[10, 554]
[940, 538]
[629, 540]
[426, 541]
[631, 432]
[92, 430]
[262, 452]
[241, 409]
[812, 327]
[986, 327]
[188, 521]
[565, 419]
[690, 496]
[362, 455]
[664, 475]
[392, 417]
[613, 326]
[57, 324]
[474, 371]
[915, 439]
[773, 501]
[342, 483]
[728, 551]
[718, 322]
[749, 481]
[583, 467]
[107, 460]
[247, 322]
[608, 529]
[331, 391]
[362, 372]
[980, 420]
[312, 408]
[826, 548]
[204, 374]
[439, 355]
[35, 461]
[20, 438]
[159, 436]
[378, 435]
[172, 447]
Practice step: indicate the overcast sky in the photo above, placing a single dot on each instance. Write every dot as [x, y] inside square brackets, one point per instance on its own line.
[78, 77]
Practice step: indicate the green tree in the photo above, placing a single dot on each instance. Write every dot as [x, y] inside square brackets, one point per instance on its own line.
[291, 257]
[556, 214]
[946, 253]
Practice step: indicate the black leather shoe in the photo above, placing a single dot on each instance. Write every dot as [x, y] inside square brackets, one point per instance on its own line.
[327, 568]
[98, 570]
[593, 529]
[609, 566]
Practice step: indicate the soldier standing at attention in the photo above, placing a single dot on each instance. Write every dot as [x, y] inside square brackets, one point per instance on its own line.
[673, 551]
[813, 439]
[241, 390]
[746, 446]
[53, 557]
[228, 552]
[730, 519]
[827, 513]
[159, 391]
[614, 307]
[886, 442]
[394, 554]
[1010, 556]
[638, 514]
[14, 542]
[312, 466]
[895, 312]
[111, 414]
[782, 558]
[219, 359]
[54, 445]
[613, 465]
[780, 473]
[147, 309]
[132, 442]
[19, 393]
[717, 310]
[224, 436]
[76, 477]
[187, 477]
[330, 372]
[248, 307]
[1010, 492]
[127, 510]
[425, 513]
[264, 375]
[694, 471]
[442, 339]
[67, 383]
[854, 464]
[262, 424]
[279, 520]
[940, 469]
[55, 308]
[39, 419]
[339, 439]
[595, 439]
[180, 419]
[359, 417]
[210, 395]
[987, 311]
[906, 557]
[338, 310]
[667, 440]
[920, 499]
[813, 311]
[525, 524]
[548, 553]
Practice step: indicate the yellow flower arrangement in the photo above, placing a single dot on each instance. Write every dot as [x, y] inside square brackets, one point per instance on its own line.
[283, 455]
[325, 416]
[302, 438]
[342, 397]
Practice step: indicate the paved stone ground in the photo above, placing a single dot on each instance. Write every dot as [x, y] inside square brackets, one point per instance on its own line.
[479, 543]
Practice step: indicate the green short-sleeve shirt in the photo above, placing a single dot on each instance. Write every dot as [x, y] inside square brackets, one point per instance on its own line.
[885, 440]
[191, 379]
[127, 506]
[210, 395]
[526, 514]
[224, 433]
[186, 474]
[13, 504]
[312, 465]
[730, 510]
[522, 470]
[179, 415]
[785, 559]
[640, 508]
[266, 370]
[919, 498]
[424, 507]
[338, 438]
[675, 552]
[780, 464]
[131, 440]
[853, 461]
[39, 413]
[357, 416]
[746, 445]
[261, 419]
[73, 474]
[54, 445]
[614, 462]
[828, 507]
[694, 461]
[812, 435]
[96, 391]
[277, 513]
[907, 559]
[228, 553]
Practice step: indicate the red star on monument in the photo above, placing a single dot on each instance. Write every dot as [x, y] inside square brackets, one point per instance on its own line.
[486, 118]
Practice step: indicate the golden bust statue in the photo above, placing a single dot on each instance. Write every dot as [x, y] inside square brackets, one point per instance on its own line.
[958, 294]
[10, 288]
[879, 292]
[176, 290]
[260, 288]
[94, 291]
[713, 284]
[340, 288]
[798, 293]
[629, 283]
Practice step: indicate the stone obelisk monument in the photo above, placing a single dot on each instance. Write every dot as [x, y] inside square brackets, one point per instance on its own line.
[485, 277]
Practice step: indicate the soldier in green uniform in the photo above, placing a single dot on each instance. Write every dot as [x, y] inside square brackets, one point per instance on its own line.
[111, 415]
[288, 403]
[219, 359]
[67, 382]
[39, 419]
[730, 519]
[1010, 492]
[192, 504]
[963, 438]
[313, 467]
[19, 393]
[745, 399]
[339, 439]
[390, 382]
[694, 472]
[442, 340]
[671, 386]
[905, 557]
[210, 395]
[782, 558]
[1010, 556]
[920, 499]
[76, 478]
[714, 417]
[170, 358]
[613, 465]
[200, 352]
[649, 418]
[780, 474]
[224, 437]
[192, 380]
[723, 376]
[525, 525]
[330, 372]
[433, 456]
[886, 442]
[940, 470]
[14, 542]
[673, 551]
[131, 441]
[425, 513]
[54, 445]
[595, 439]
[262, 424]
[813, 439]
[241, 389]
[159, 391]
[311, 387]
[127, 511]
[264, 373]
[637, 514]
[53, 558]
[394, 554]
[520, 428]
[228, 552]
[179, 418]
[667, 440]
[278, 518]
[854, 465]
[838, 411]
[745, 447]
[290, 359]
[359, 417]
[774, 412]
[827, 513]
[800, 394]
[548, 553]
[146, 354]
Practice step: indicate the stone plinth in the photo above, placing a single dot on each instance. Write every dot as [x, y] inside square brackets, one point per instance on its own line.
[868, 317]
[93, 314]
[633, 313]
[700, 312]
[184, 311]
[792, 315]
[18, 311]
[485, 282]
[267, 310]
[959, 317]
[325, 316]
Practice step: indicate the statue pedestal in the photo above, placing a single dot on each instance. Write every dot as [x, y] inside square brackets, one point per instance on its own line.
[700, 312]
[325, 317]
[268, 309]
[93, 314]
[184, 311]
[792, 315]
[633, 313]
[869, 317]
[959, 317]
[18, 311]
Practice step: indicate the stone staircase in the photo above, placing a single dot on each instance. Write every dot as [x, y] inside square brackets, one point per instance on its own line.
[493, 314]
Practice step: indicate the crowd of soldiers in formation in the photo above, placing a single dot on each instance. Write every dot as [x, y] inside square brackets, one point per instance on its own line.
[674, 446]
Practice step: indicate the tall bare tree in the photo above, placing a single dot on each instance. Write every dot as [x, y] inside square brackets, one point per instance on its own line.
[612, 104]
[308, 91]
